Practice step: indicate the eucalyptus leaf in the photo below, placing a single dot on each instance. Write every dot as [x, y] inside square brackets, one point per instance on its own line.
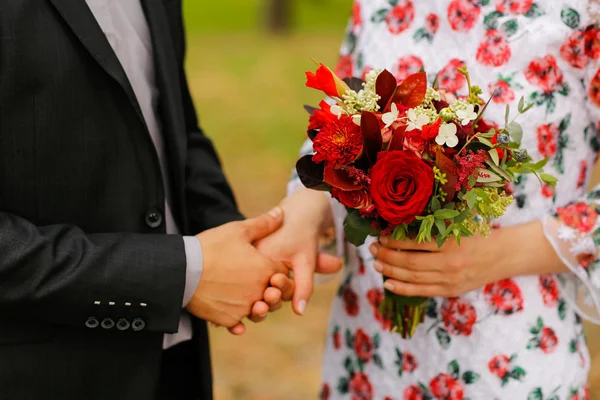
[495, 156]
[521, 104]
[485, 176]
[515, 131]
[499, 171]
[549, 179]
[540, 164]
[485, 141]
[506, 115]
[446, 214]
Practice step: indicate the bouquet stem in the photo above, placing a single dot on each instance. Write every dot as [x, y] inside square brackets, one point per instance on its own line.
[405, 313]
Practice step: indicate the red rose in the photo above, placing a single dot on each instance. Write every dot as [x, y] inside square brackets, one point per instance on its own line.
[548, 340]
[350, 301]
[547, 135]
[375, 298]
[505, 296]
[338, 142]
[413, 392]
[360, 387]
[549, 290]
[459, 316]
[409, 363]
[544, 73]
[502, 92]
[325, 392]
[363, 346]
[579, 216]
[445, 387]
[401, 186]
[359, 199]
[499, 365]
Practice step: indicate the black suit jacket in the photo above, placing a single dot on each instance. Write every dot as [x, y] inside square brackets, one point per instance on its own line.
[81, 202]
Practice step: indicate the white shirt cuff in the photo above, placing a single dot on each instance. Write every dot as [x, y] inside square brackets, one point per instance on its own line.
[193, 254]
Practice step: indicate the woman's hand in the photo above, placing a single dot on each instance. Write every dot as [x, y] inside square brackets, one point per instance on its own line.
[425, 270]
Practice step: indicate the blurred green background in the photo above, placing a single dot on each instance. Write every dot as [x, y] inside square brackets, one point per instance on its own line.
[248, 86]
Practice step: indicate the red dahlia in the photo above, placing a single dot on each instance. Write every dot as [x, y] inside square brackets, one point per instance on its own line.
[338, 142]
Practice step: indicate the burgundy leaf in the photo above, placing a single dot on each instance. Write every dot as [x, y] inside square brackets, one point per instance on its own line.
[310, 109]
[338, 178]
[397, 138]
[385, 88]
[412, 90]
[353, 83]
[312, 133]
[371, 131]
[447, 166]
[309, 172]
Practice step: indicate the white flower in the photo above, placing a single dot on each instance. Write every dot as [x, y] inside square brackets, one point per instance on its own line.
[467, 115]
[390, 117]
[415, 121]
[447, 135]
[337, 110]
[356, 119]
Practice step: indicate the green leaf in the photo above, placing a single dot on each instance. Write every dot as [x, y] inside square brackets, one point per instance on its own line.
[446, 214]
[349, 365]
[349, 339]
[470, 377]
[471, 198]
[564, 123]
[441, 226]
[454, 369]
[521, 104]
[497, 169]
[491, 20]
[535, 11]
[450, 206]
[432, 308]
[549, 179]
[377, 360]
[462, 216]
[540, 322]
[535, 394]
[435, 204]
[380, 15]
[534, 331]
[343, 386]
[425, 229]
[393, 3]
[515, 131]
[510, 27]
[400, 232]
[443, 338]
[573, 346]
[485, 141]
[517, 373]
[485, 176]
[540, 164]
[553, 397]
[357, 228]
[506, 115]
[376, 340]
[570, 17]
[351, 41]
[484, 3]
[562, 309]
[495, 156]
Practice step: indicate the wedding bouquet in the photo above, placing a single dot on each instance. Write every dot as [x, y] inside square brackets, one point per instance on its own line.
[412, 161]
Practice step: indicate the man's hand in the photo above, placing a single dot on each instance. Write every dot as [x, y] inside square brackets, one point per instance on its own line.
[235, 275]
[307, 215]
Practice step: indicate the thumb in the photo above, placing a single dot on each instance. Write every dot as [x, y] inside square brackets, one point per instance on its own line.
[328, 264]
[304, 270]
[264, 225]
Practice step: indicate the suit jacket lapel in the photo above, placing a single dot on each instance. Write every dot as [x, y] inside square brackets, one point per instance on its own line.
[81, 21]
[171, 108]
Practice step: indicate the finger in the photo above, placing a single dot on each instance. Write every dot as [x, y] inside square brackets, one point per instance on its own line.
[259, 312]
[387, 241]
[412, 290]
[285, 284]
[262, 226]
[238, 329]
[276, 306]
[413, 260]
[328, 264]
[409, 276]
[272, 296]
[304, 270]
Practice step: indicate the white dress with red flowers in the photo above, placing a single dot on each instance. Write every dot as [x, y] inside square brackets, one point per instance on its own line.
[518, 339]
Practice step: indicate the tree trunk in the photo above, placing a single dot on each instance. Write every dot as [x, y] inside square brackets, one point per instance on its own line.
[279, 16]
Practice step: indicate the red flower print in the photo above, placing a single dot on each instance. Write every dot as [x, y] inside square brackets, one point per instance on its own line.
[337, 338]
[401, 16]
[594, 90]
[546, 135]
[548, 191]
[350, 301]
[450, 79]
[505, 296]
[325, 392]
[413, 392]
[519, 7]
[432, 23]
[549, 290]
[356, 16]
[548, 340]
[459, 316]
[409, 363]
[406, 66]
[445, 387]
[365, 71]
[544, 73]
[573, 50]
[344, 67]
[499, 365]
[579, 216]
[583, 168]
[592, 42]
[360, 387]
[501, 92]
[363, 346]
[463, 14]
[585, 259]
[375, 297]
[494, 50]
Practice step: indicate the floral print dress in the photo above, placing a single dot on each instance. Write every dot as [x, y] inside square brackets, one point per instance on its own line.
[521, 338]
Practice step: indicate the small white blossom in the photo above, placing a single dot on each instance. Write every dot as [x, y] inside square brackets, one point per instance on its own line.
[356, 119]
[390, 117]
[415, 121]
[337, 110]
[467, 115]
[447, 135]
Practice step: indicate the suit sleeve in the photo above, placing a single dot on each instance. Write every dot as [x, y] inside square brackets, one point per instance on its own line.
[57, 273]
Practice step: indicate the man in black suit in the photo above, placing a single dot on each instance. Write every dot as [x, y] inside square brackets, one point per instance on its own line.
[105, 177]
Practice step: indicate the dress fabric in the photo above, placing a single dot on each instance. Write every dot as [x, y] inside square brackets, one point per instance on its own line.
[520, 338]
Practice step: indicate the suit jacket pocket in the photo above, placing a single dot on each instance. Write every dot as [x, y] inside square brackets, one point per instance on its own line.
[21, 332]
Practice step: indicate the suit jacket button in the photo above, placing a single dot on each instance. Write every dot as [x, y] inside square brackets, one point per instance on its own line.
[138, 324]
[123, 324]
[154, 219]
[92, 322]
[107, 323]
